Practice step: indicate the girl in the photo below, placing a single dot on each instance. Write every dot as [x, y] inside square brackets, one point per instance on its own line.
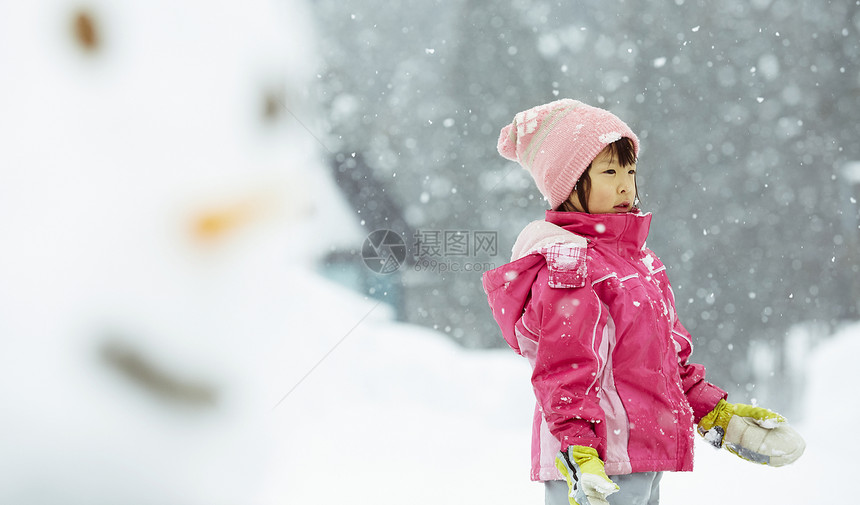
[592, 310]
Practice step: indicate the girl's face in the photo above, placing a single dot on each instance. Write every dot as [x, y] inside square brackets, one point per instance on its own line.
[613, 187]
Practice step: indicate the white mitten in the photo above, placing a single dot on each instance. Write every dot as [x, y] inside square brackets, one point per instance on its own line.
[752, 433]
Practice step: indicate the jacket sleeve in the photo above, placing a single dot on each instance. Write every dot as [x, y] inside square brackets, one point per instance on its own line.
[701, 395]
[569, 324]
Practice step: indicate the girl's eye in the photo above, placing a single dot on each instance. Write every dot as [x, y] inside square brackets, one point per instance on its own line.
[611, 171]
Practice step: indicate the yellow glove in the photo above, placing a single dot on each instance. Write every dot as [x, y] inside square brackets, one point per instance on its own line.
[752, 433]
[586, 479]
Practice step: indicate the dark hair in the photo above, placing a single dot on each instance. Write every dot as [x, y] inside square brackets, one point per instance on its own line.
[626, 152]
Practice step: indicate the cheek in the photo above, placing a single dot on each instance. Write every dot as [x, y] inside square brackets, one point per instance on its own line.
[600, 194]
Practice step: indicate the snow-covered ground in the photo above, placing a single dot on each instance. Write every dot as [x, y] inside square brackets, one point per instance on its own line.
[165, 338]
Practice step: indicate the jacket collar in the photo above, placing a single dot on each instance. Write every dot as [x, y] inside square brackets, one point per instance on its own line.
[627, 232]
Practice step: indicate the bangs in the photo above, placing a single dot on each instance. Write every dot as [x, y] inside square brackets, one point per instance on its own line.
[624, 151]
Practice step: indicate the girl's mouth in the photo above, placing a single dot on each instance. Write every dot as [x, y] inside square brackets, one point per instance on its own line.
[624, 207]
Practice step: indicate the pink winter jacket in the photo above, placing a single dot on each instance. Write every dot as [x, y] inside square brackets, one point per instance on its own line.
[591, 308]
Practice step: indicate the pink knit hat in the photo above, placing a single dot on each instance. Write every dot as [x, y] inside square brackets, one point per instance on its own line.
[557, 141]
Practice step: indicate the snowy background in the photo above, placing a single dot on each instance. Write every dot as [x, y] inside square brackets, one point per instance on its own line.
[186, 187]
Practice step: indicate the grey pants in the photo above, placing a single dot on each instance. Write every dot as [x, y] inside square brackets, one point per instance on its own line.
[636, 489]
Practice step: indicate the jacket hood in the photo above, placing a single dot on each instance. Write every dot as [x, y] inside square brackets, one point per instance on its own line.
[508, 287]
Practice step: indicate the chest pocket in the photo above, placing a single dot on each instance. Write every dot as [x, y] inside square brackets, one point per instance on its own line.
[567, 264]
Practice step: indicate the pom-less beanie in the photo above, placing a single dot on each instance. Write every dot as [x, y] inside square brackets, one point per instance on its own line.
[557, 141]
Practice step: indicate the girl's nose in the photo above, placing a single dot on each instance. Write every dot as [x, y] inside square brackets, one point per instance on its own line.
[626, 185]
